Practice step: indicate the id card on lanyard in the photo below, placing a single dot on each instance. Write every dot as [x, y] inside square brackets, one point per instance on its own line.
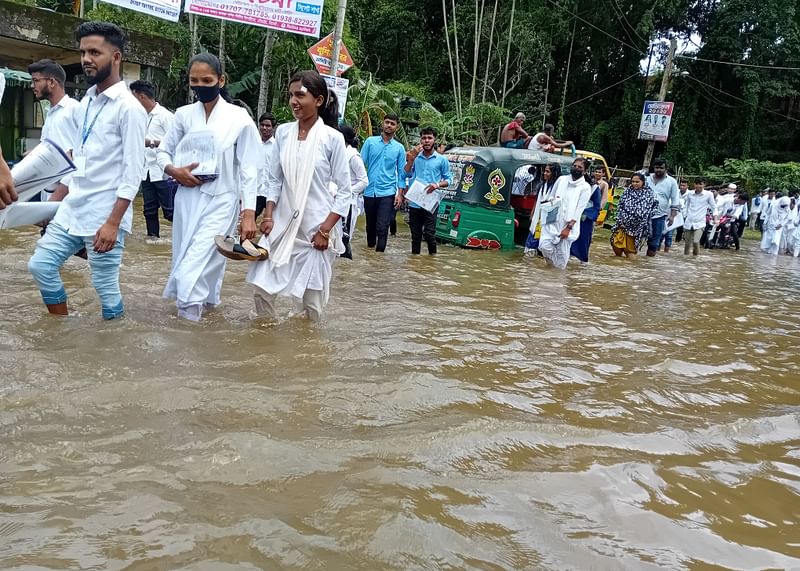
[80, 158]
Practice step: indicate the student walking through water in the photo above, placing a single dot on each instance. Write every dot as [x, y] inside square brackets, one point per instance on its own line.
[300, 223]
[206, 206]
[109, 157]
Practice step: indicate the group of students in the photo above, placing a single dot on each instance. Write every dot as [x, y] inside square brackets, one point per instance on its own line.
[777, 216]
[652, 209]
[306, 177]
[306, 188]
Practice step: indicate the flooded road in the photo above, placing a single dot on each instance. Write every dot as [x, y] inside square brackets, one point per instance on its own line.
[472, 411]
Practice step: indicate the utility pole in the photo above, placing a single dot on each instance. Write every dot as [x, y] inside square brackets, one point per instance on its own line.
[337, 37]
[662, 94]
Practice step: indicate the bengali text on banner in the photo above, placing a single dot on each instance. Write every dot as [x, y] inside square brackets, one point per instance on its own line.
[298, 17]
[166, 9]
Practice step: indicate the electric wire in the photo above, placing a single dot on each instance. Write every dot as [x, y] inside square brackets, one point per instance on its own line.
[751, 104]
[595, 93]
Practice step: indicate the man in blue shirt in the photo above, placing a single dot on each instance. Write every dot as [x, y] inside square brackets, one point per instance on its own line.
[425, 165]
[384, 158]
[665, 189]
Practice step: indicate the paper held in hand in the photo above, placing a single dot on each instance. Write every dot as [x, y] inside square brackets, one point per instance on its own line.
[198, 147]
[27, 213]
[45, 164]
[417, 194]
[675, 224]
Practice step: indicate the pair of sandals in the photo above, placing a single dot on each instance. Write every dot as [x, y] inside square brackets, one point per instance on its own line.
[234, 249]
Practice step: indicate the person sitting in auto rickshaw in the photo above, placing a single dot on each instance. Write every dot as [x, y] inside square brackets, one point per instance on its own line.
[513, 136]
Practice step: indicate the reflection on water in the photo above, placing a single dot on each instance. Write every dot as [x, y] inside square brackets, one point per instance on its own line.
[472, 411]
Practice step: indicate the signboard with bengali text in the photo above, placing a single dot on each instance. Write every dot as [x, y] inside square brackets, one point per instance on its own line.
[656, 117]
[295, 16]
[166, 9]
[339, 86]
[322, 52]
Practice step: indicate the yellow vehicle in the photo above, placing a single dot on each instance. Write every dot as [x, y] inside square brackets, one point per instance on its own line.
[595, 160]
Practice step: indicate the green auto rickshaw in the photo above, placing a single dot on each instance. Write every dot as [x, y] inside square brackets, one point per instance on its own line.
[492, 195]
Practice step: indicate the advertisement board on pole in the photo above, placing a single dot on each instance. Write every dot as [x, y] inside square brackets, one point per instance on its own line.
[322, 52]
[166, 9]
[339, 86]
[303, 18]
[656, 117]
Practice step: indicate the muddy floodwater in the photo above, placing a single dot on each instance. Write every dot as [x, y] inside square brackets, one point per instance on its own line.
[472, 411]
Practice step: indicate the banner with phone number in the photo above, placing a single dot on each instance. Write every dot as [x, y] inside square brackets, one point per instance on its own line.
[298, 17]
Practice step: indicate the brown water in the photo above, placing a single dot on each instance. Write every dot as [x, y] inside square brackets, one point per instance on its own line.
[472, 411]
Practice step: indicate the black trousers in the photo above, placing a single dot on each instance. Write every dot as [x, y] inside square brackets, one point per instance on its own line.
[155, 194]
[379, 212]
[423, 225]
[679, 233]
[741, 224]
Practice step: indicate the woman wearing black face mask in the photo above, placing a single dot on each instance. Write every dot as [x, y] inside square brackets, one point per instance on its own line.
[212, 151]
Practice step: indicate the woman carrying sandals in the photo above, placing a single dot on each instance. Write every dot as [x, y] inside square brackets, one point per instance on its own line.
[300, 222]
[225, 139]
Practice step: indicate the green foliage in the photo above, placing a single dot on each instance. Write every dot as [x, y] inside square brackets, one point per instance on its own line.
[756, 175]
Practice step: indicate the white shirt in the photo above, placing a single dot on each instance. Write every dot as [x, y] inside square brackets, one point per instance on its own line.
[159, 121]
[697, 206]
[2, 86]
[358, 174]
[109, 131]
[59, 125]
[268, 146]
[237, 148]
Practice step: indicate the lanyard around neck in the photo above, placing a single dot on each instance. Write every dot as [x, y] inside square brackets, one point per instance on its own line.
[85, 132]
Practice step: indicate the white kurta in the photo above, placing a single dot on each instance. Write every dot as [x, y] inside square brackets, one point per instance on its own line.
[205, 211]
[775, 226]
[571, 196]
[307, 268]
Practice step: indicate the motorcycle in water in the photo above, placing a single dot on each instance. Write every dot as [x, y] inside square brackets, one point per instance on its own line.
[722, 234]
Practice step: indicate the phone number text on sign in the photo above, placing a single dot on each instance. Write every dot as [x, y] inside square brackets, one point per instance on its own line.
[297, 17]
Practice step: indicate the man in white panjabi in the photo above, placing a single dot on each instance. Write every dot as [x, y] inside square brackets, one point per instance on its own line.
[300, 223]
[230, 146]
[570, 196]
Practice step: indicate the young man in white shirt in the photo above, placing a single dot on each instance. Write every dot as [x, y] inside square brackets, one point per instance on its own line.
[109, 157]
[665, 190]
[155, 191]
[266, 128]
[698, 204]
[59, 126]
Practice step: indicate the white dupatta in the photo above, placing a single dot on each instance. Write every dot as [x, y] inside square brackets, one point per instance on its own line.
[297, 162]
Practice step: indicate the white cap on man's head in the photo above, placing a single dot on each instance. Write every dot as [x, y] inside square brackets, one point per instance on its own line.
[732, 186]
[520, 116]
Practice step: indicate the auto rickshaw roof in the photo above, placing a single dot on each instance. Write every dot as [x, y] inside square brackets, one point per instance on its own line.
[488, 155]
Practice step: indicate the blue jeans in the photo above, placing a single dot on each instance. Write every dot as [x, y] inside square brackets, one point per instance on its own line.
[657, 230]
[666, 239]
[56, 246]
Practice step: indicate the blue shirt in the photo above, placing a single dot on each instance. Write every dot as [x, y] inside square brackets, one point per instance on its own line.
[385, 163]
[429, 170]
[666, 193]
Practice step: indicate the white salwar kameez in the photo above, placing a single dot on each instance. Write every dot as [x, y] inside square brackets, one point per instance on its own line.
[571, 197]
[306, 275]
[212, 208]
[775, 225]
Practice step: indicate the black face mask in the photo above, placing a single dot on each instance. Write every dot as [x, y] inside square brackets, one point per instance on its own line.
[576, 174]
[205, 93]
